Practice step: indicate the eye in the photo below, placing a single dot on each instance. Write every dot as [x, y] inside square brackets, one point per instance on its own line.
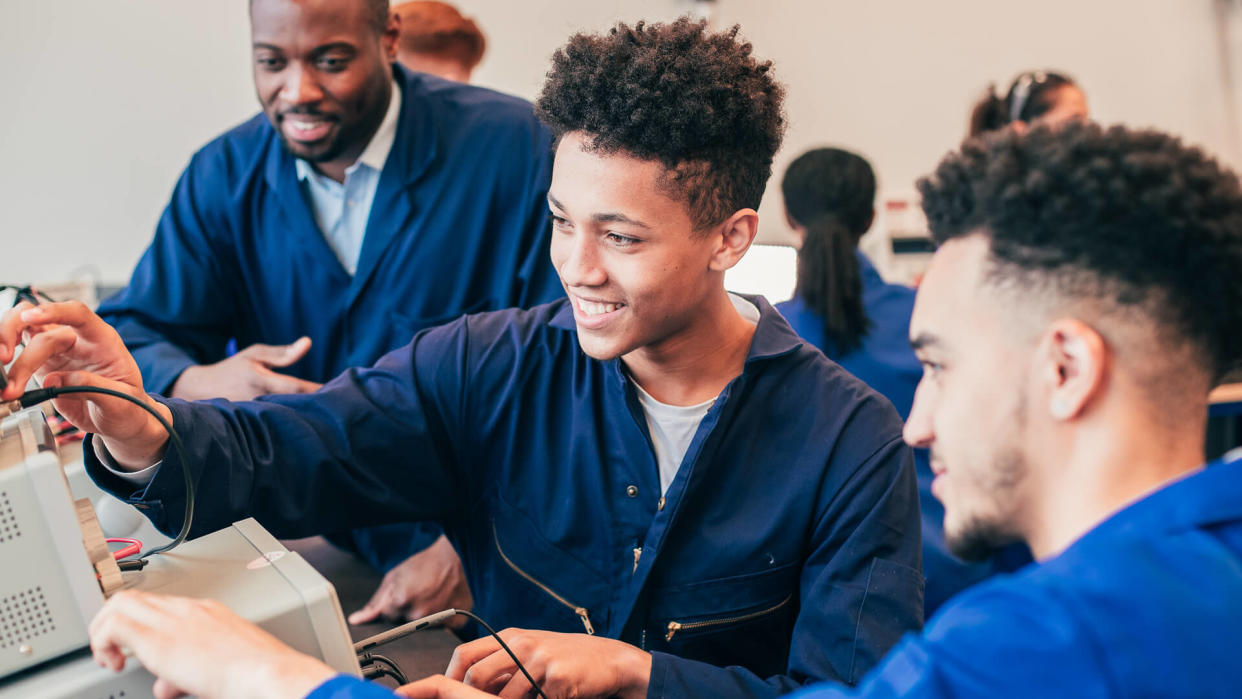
[332, 64]
[931, 370]
[269, 63]
[621, 241]
[560, 223]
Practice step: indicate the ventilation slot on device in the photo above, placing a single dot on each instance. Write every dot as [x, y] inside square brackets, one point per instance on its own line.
[24, 616]
[8, 521]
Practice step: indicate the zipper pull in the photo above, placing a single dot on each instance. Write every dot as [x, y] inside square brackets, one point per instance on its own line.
[638, 552]
[586, 620]
[673, 627]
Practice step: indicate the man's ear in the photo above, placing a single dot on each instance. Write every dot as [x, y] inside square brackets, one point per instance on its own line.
[733, 238]
[1075, 363]
[388, 40]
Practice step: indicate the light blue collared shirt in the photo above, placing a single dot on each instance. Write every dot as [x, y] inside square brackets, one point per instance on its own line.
[342, 209]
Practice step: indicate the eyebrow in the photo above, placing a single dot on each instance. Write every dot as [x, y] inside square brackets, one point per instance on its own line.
[923, 341]
[606, 217]
[318, 50]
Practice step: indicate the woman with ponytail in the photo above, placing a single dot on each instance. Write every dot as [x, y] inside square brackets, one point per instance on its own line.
[840, 303]
[842, 306]
[1037, 96]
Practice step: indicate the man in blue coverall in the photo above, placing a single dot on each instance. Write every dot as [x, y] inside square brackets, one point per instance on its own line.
[364, 204]
[683, 497]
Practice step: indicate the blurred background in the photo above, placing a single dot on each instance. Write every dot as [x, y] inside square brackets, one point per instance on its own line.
[105, 100]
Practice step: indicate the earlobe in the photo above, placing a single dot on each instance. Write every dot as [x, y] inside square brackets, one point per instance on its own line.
[1060, 408]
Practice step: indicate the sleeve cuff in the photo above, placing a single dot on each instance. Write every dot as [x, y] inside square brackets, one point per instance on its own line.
[138, 479]
[347, 687]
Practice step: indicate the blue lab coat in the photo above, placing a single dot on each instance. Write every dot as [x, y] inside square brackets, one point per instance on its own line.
[458, 225]
[1147, 604]
[786, 546]
[886, 363]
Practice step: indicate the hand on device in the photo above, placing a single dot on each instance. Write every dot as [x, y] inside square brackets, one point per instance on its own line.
[199, 647]
[67, 344]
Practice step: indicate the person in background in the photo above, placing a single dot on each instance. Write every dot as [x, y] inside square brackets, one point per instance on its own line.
[365, 203]
[662, 487]
[435, 38]
[1034, 97]
[842, 306]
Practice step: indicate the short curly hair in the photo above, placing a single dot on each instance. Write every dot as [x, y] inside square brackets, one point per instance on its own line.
[1133, 218]
[696, 101]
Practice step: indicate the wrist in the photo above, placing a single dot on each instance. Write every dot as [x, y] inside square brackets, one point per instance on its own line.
[633, 672]
[293, 675]
[183, 386]
[146, 446]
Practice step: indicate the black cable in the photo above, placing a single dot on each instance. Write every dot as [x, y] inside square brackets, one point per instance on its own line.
[32, 398]
[502, 643]
[26, 293]
[367, 659]
[419, 624]
[375, 671]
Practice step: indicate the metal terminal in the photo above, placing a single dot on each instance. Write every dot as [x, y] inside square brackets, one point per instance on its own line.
[7, 408]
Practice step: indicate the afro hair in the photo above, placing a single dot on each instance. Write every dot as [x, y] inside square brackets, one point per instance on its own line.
[696, 101]
[1130, 217]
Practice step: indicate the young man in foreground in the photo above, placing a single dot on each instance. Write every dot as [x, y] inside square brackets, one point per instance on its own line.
[652, 461]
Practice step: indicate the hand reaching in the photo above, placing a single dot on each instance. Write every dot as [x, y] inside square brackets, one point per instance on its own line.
[427, 582]
[246, 375]
[67, 344]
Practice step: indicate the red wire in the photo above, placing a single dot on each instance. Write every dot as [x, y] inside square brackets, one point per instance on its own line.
[134, 547]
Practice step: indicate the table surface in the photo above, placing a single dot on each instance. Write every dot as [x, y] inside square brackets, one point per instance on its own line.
[420, 654]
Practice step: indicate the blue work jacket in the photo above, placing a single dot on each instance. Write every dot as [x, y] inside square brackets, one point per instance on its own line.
[886, 363]
[1147, 604]
[786, 549]
[458, 225]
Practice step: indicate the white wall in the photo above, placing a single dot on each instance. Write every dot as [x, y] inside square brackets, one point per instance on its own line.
[105, 101]
[895, 80]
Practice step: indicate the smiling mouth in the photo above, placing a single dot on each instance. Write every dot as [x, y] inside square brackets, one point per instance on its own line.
[305, 128]
[595, 309]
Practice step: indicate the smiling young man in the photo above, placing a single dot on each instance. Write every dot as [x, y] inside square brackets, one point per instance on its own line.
[679, 495]
[1084, 300]
[364, 204]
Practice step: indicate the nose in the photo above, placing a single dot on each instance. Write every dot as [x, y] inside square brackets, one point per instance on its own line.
[580, 264]
[918, 430]
[300, 87]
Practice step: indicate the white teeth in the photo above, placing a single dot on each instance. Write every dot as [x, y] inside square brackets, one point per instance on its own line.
[590, 308]
[305, 125]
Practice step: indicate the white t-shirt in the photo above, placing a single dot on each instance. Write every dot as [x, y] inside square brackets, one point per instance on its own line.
[672, 427]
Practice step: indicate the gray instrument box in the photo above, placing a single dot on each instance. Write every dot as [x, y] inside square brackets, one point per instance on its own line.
[49, 591]
[242, 566]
